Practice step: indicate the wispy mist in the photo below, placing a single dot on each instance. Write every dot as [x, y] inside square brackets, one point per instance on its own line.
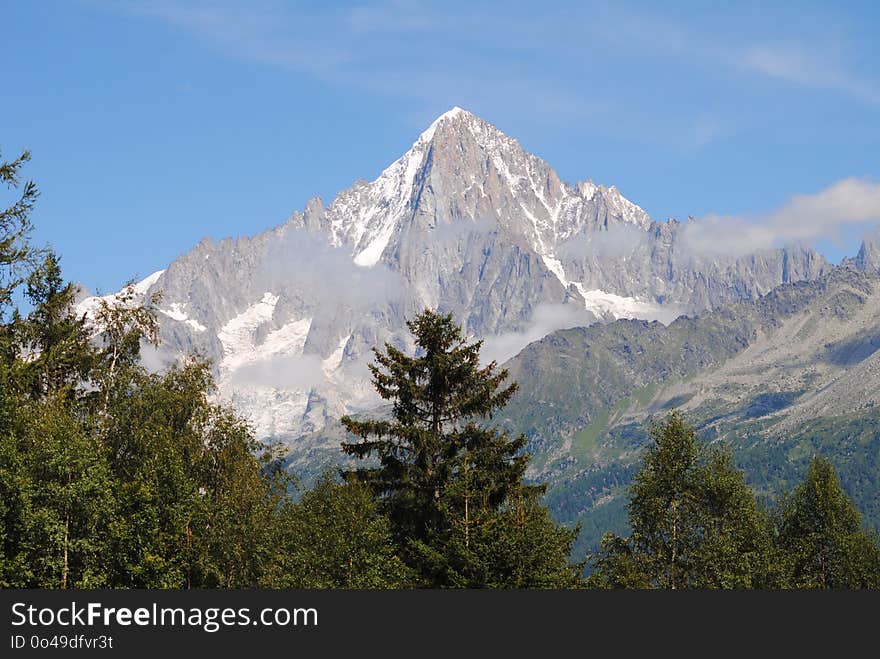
[618, 241]
[545, 319]
[284, 372]
[805, 218]
[306, 265]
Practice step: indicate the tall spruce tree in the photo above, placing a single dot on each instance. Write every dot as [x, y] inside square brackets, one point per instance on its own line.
[821, 539]
[434, 440]
[444, 476]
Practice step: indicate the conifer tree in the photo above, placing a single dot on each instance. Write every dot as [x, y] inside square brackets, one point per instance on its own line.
[438, 397]
[57, 344]
[444, 476]
[15, 250]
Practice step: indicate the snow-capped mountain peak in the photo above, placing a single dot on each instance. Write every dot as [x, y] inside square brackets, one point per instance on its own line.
[88, 306]
[466, 221]
[454, 113]
[480, 170]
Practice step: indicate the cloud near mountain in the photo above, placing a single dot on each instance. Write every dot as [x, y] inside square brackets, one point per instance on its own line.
[805, 218]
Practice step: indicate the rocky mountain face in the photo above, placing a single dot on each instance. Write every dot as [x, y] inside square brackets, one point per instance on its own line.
[466, 221]
[794, 373]
[868, 258]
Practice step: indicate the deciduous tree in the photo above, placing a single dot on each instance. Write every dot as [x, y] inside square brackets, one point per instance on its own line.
[821, 538]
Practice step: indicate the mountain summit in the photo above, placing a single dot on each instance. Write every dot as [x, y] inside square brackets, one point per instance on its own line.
[462, 174]
[466, 221]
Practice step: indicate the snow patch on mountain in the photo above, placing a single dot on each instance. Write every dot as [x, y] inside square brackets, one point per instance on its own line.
[272, 411]
[555, 266]
[286, 341]
[175, 312]
[268, 380]
[89, 306]
[335, 359]
[144, 285]
[237, 335]
[605, 304]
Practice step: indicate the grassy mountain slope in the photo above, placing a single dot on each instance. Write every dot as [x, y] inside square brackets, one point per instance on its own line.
[793, 373]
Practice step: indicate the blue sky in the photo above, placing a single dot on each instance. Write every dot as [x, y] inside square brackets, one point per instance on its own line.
[154, 124]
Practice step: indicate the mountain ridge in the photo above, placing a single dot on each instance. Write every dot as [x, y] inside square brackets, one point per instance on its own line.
[466, 221]
[777, 379]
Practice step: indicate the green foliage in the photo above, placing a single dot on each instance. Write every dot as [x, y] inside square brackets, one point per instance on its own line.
[735, 550]
[57, 495]
[446, 479]
[55, 342]
[618, 564]
[169, 495]
[110, 476]
[196, 506]
[436, 396]
[695, 523]
[15, 227]
[241, 500]
[516, 545]
[821, 537]
[849, 442]
[336, 537]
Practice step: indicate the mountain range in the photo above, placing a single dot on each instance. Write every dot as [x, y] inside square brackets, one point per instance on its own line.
[467, 222]
[778, 379]
[606, 318]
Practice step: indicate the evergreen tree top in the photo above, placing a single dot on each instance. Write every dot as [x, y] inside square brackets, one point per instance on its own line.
[444, 382]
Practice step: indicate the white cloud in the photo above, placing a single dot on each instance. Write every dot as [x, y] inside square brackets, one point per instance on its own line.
[154, 359]
[307, 266]
[620, 240]
[301, 372]
[805, 218]
[798, 65]
[546, 318]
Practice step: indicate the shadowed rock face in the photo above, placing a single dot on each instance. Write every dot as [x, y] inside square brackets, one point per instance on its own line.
[466, 221]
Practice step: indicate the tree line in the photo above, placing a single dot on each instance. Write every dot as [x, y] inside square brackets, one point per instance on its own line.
[114, 476]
